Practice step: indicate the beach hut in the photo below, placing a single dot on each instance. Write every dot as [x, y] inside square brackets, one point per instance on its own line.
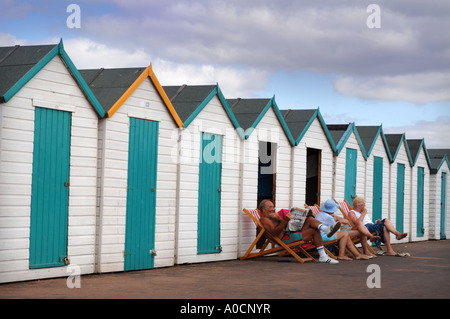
[137, 170]
[313, 154]
[399, 184]
[266, 158]
[439, 193]
[420, 189]
[208, 175]
[377, 170]
[349, 162]
[48, 160]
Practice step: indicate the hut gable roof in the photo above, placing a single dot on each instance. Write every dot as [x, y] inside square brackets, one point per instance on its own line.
[299, 122]
[19, 64]
[340, 133]
[394, 142]
[113, 87]
[369, 136]
[415, 147]
[190, 100]
[438, 157]
[249, 112]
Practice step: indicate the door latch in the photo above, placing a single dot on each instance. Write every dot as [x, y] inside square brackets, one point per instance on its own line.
[152, 252]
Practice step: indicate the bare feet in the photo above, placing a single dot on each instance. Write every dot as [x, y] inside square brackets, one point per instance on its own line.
[402, 235]
[344, 258]
[363, 257]
[374, 238]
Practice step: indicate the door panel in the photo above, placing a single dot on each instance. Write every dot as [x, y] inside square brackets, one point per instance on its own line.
[210, 172]
[400, 197]
[377, 201]
[50, 188]
[141, 194]
[350, 175]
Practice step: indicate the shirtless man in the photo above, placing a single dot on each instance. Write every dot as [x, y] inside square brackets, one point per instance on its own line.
[309, 232]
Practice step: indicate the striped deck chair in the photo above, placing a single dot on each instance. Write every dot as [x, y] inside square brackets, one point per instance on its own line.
[293, 248]
[345, 208]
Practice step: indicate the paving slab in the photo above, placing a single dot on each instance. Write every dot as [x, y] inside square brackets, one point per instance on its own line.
[424, 275]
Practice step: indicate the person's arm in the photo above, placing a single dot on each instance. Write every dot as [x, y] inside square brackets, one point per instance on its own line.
[271, 226]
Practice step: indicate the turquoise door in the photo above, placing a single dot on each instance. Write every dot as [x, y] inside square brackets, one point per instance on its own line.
[420, 194]
[141, 195]
[443, 203]
[350, 175]
[50, 188]
[377, 201]
[210, 171]
[400, 206]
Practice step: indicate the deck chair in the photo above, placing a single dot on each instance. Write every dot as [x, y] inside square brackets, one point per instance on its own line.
[345, 208]
[278, 246]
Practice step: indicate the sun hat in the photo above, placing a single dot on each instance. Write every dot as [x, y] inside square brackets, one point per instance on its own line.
[329, 206]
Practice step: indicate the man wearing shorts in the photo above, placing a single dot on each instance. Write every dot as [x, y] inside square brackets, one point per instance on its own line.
[276, 225]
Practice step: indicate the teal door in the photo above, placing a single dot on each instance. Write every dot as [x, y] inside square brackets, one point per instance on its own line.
[210, 171]
[350, 175]
[420, 202]
[400, 206]
[443, 203]
[377, 201]
[50, 188]
[141, 195]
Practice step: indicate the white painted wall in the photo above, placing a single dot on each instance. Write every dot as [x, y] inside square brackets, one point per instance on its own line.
[52, 87]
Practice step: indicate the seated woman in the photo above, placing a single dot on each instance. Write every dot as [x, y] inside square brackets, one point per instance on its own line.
[382, 228]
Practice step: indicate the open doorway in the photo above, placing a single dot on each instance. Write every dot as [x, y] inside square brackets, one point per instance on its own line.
[266, 171]
[313, 164]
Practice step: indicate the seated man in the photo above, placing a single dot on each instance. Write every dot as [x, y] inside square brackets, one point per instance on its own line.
[382, 227]
[310, 231]
[343, 237]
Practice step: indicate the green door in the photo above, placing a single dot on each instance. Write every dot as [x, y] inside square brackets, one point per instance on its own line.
[50, 188]
[350, 175]
[420, 201]
[443, 203]
[400, 206]
[141, 195]
[377, 201]
[210, 171]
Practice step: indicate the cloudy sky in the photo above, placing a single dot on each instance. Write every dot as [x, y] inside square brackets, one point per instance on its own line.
[370, 62]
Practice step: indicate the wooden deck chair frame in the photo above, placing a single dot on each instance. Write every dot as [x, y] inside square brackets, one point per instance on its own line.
[278, 247]
[344, 210]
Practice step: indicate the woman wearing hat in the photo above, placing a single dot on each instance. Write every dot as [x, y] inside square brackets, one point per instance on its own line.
[343, 237]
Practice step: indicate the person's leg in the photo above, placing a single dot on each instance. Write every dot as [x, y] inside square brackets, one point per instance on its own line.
[343, 238]
[388, 225]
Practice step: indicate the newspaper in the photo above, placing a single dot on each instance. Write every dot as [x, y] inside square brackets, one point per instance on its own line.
[298, 219]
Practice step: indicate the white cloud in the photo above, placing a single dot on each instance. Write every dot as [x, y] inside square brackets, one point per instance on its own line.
[419, 88]
[436, 133]
[242, 82]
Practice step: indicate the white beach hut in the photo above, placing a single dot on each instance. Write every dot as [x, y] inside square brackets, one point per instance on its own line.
[377, 170]
[137, 170]
[266, 159]
[349, 162]
[48, 160]
[439, 193]
[312, 159]
[208, 175]
[420, 190]
[399, 184]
